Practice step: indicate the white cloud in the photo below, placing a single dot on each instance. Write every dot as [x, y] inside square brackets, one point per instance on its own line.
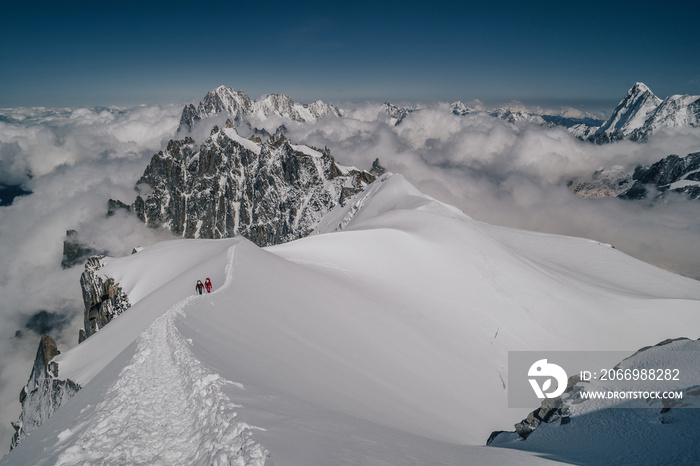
[516, 176]
[78, 159]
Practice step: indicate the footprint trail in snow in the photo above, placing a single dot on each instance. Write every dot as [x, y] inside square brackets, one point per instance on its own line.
[166, 408]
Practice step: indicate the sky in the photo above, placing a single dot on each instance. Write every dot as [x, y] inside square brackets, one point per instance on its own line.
[586, 55]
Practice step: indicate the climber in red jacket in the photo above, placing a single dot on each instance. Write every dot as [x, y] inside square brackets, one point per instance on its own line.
[207, 285]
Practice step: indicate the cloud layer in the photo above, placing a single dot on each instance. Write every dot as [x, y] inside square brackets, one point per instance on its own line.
[516, 175]
[73, 161]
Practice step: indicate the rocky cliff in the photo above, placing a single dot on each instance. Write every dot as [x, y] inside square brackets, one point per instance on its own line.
[44, 393]
[269, 192]
[103, 298]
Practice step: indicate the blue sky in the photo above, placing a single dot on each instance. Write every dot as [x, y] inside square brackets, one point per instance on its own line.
[542, 53]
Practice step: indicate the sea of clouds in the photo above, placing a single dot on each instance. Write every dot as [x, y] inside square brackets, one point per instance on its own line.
[74, 160]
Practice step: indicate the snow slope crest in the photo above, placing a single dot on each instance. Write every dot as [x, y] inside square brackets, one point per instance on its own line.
[389, 193]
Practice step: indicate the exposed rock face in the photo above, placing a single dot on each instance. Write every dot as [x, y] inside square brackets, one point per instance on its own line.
[671, 174]
[236, 105]
[44, 392]
[103, 298]
[270, 192]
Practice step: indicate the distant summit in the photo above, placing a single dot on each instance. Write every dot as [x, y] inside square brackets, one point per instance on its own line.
[236, 105]
[641, 112]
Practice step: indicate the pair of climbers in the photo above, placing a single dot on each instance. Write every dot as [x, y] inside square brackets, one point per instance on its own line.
[199, 286]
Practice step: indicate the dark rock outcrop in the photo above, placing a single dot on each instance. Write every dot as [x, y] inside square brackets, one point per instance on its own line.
[103, 298]
[44, 393]
[670, 174]
[270, 192]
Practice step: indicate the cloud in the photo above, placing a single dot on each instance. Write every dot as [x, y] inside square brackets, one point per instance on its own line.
[73, 161]
[515, 175]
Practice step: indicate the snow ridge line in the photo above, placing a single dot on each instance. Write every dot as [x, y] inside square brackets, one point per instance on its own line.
[166, 408]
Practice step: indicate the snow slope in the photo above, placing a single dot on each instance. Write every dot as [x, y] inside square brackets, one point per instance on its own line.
[381, 339]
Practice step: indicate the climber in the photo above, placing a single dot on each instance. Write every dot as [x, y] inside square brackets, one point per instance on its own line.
[207, 285]
[199, 286]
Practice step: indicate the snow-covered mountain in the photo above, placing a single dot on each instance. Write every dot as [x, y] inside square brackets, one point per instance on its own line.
[630, 114]
[269, 192]
[641, 112]
[637, 115]
[381, 338]
[237, 106]
[674, 111]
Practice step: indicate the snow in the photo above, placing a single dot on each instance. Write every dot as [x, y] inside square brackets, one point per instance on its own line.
[381, 339]
[307, 150]
[680, 184]
[248, 144]
[652, 437]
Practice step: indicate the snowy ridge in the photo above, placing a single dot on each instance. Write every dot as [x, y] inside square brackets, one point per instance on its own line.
[164, 385]
[161, 386]
[641, 112]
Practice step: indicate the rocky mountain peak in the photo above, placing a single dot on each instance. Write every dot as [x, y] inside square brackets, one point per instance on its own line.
[269, 192]
[639, 88]
[44, 393]
[238, 107]
[630, 114]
